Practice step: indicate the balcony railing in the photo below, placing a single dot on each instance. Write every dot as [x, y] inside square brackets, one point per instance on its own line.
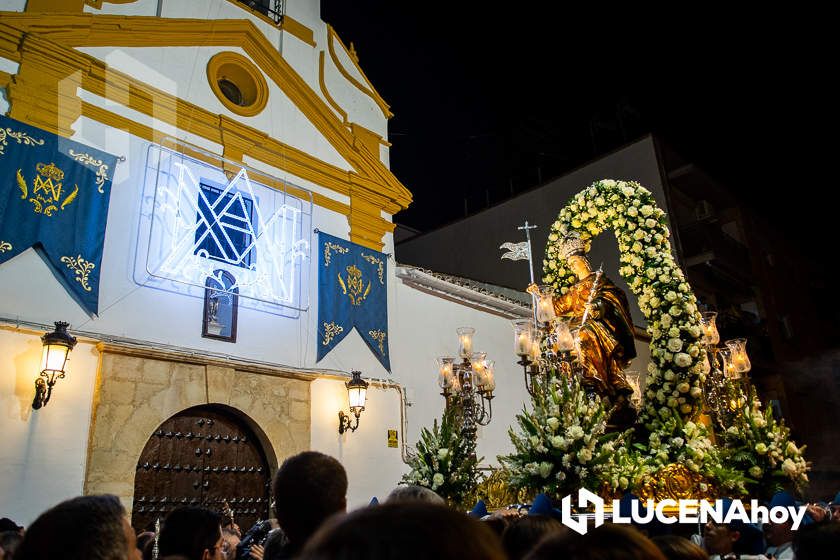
[270, 8]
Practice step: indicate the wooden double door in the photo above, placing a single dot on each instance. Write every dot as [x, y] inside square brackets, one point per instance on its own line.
[203, 456]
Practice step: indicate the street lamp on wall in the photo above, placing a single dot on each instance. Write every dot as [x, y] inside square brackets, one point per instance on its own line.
[356, 393]
[57, 347]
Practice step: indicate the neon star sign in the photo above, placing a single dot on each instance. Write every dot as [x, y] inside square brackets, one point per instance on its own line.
[201, 222]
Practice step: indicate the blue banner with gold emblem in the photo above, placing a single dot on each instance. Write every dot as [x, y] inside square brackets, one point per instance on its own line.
[54, 196]
[352, 292]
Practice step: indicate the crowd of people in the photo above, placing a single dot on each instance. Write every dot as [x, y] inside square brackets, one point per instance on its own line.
[311, 523]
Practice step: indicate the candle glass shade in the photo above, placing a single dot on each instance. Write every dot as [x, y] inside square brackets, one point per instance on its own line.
[565, 340]
[738, 350]
[446, 374]
[536, 350]
[522, 337]
[488, 383]
[726, 364]
[545, 305]
[710, 336]
[465, 341]
[479, 365]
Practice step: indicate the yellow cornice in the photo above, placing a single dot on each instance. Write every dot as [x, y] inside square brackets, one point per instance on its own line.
[368, 90]
[77, 30]
[322, 82]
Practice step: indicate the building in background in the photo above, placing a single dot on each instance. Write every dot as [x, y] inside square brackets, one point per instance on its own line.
[759, 282]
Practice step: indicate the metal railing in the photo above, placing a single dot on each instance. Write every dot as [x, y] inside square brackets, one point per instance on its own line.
[270, 8]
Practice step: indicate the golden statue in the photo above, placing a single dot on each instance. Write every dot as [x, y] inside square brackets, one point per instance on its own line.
[605, 345]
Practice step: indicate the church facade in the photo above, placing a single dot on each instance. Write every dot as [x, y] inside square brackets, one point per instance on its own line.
[151, 408]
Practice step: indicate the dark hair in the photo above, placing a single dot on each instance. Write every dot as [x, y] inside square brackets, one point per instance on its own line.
[607, 542]
[9, 543]
[523, 534]
[679, 548]
[189, 531]
[818, 540]
[413, 493]
[308, 488]
[497, 523]
[83, 528]
[408, 531]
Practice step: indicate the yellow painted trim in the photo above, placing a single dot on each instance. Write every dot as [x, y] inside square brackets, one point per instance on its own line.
[136, 31]
[224, 60]
[367, 138]
[98, 3]
[296, 28]
[254, 12]
[134, 128]
[5, 78]
[55, 6]
[368, 90]
[36, 99]
[324, 90]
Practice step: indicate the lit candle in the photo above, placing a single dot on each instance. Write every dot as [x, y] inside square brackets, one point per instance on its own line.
[523, 344]
[465, 342]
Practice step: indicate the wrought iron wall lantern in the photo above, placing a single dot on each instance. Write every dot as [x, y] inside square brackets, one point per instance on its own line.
[57, 347]
[356, 393]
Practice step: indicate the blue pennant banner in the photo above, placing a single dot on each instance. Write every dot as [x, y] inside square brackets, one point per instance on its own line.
[54, 196]
[352, 292]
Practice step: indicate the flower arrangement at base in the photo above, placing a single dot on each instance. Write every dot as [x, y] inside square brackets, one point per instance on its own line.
[761, 447]
[444, 461]
[561, 445]
[678, 361]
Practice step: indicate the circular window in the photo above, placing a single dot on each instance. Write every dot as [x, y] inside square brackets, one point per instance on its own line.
[238, 83]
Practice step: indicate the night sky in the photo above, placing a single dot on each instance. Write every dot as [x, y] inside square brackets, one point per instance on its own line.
[490, 103]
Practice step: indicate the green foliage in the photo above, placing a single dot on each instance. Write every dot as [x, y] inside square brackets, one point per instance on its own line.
[445, 461]
[561, 445]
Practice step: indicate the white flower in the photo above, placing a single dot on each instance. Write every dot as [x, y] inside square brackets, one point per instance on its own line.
[584, 455]
[675, 310]
[755, 471]
[761, 449]
[535, 441]
[696, 392]
[666, 321]
[545, 469]
[608, 183]
[682, 359]
[437, 480]
[669, 375]
[443, 453]
[791, 449]
[675, 344]
[627, 191]
[557, 441]
[683, 387]
[553, 423]
[574, 432]
[788, 467]
[647, 210]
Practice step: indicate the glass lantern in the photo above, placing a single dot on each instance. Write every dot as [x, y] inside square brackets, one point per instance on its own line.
[488, 384]
[522, 337]
[738, 350]
[545, 305]
[565, 340]
[708, 327]
[478, 362]
[446, 373]
[465, 341]
[727, 364]
[357, 392]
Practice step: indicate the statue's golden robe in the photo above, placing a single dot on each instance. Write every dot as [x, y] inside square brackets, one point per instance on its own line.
[606, 339]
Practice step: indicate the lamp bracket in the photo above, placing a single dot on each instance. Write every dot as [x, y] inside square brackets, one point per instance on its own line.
[344, 422]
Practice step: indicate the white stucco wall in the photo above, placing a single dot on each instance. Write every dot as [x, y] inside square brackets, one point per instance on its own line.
[42, 459]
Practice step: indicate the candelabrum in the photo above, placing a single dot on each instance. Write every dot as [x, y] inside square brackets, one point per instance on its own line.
[468, 383]
[545, 343]
[727, 383]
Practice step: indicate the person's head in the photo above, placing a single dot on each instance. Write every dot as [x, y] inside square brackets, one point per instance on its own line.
[231, 538]
[7, 524]
[192, 532]
[83, 528]
[523, 534]
[679, 548]
[308, 488]
[408, 530]
[579, 265]
[834, 506]
[817, 541]
[607, 542]
[719, 538]
[413, 493]
[9, 543]
[144, 538]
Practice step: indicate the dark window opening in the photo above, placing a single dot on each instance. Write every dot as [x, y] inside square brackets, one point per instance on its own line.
[232, 92]
[270, 8]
